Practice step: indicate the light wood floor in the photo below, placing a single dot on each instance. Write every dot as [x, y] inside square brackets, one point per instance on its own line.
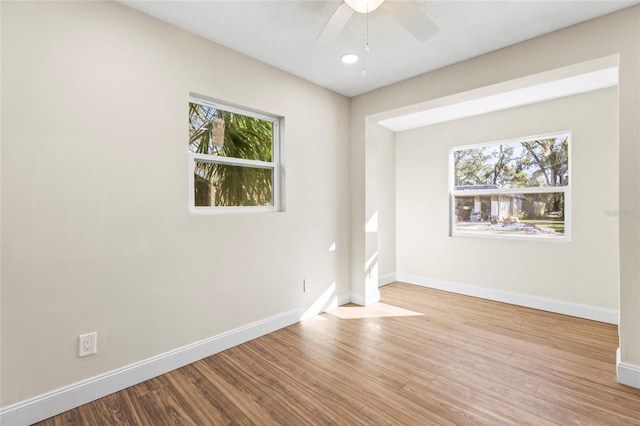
[442, 359]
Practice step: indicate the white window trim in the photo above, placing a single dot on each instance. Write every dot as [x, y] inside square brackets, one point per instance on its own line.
[566, 190]
[276, 165]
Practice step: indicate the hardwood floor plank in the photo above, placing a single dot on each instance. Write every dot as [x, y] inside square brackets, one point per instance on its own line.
[326, 376]
[520, 398]
[446, 359]
[447, 405]
[501, 411]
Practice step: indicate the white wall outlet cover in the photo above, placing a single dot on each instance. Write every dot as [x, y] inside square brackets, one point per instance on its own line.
[87, 344]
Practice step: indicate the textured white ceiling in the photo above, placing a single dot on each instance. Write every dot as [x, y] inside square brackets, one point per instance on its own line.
[282, 33]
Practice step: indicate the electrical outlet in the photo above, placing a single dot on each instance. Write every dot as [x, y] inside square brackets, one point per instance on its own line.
[87, 344]
[306, 285]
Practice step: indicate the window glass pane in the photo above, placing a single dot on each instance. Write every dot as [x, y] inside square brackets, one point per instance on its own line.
[216, 132]
[535, 215]
[225, 185]
[530, 163]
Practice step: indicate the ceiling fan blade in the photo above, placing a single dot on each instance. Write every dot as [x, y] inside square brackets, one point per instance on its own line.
[409, 14]
[334, 26]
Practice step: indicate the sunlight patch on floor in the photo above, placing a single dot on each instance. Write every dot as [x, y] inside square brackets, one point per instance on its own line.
[376, 310]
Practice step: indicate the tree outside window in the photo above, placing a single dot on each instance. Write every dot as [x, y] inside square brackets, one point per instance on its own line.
[513, 188]
[233, 153]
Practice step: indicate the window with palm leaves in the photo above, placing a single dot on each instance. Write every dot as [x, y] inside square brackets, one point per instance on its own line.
[234, 155]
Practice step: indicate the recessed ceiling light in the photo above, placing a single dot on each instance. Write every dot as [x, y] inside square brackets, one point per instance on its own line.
[349, 58]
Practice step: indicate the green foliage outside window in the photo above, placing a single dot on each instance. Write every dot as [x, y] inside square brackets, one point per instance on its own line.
[523, 164]
[541, 163]
[245, 138]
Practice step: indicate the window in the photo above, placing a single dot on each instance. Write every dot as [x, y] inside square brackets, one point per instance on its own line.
[234, 158]
[512, 189]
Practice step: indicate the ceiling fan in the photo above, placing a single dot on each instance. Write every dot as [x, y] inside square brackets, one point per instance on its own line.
[407, 13]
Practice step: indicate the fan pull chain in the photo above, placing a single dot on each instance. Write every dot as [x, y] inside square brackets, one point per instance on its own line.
[366, 42]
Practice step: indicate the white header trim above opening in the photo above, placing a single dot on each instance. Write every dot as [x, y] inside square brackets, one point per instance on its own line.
[593, 75]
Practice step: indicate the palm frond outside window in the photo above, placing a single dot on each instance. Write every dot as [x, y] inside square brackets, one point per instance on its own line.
[234, 155]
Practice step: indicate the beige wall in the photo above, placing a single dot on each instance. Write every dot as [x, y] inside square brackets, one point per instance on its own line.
[583, 272]
[96, 234]
[386, 176]
[381, 202]
[612, 34]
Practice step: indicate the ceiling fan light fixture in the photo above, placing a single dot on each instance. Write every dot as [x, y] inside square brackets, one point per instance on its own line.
[364, 6]
[349, 58]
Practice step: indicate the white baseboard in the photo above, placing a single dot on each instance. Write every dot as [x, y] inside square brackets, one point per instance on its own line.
[387, 279]
[358, 298]
[628, 374]
[366, 299]
[60, 400]
[551, 305]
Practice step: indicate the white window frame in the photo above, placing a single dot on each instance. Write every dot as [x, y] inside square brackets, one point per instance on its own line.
[566, 190]
[276, 165]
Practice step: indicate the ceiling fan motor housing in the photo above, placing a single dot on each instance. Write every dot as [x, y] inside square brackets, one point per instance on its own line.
[364, 6]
